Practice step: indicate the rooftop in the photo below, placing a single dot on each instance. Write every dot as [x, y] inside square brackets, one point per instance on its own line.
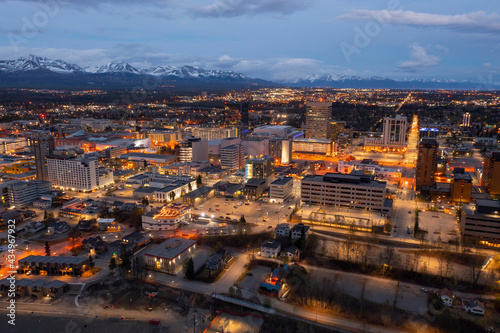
[271, 243]
[171, 248]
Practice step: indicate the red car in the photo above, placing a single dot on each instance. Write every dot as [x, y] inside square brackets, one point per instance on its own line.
[154, 322]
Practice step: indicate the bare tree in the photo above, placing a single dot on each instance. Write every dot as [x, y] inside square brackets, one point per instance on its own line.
[389, 257]
[365, 254]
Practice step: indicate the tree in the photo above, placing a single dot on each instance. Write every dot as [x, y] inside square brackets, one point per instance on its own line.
[189, 269]
[47, 248]
[135, 218]
[416, 228]
[198, 181]
[125, 263]
[190, 188]
[112, 264]
[145, 201]
[45, 216]
[389, 256]
[91, 262]
[242, 219]
[171, 196]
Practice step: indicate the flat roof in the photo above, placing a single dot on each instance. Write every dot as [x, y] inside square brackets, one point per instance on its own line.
[171, 248]
[282, 181]
[271, 243]
[54, 260]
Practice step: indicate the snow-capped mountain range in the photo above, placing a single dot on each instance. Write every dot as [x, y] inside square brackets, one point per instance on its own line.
[39, 72]
[33, 63]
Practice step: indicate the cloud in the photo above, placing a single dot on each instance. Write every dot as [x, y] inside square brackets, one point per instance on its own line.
[234, 8]
[420, 59]
[281, 68]
[475, 22]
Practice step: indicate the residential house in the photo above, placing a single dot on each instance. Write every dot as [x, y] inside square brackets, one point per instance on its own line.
[473, 306]
[95, 244]
[292, 252]
[218, 260]
[446, 296]
[58, 227]
[86, 225]
[282, 230]
[270, 248]
[300, 229]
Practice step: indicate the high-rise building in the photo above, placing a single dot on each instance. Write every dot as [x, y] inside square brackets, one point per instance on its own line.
[426, 163]
[491, 172]
[232, 157]
[43, 145]
[259, 167]
[336, 128]
[461, 186]
[193, 150]
[466, 119]
[394, 134]
[71, 169]
[318, 116]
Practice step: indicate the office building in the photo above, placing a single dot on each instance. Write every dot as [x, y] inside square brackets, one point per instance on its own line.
[318, 116]
[43, 145]
[313, 146]
[259, 167]
[491, 172]
[26, 192]
[480, 223]
[193, 149]
[344, 190]
[210, 133]
[169, 254]
[232, 157]
[426, 163]
[281, 189]
[461, 186]
[394, 134]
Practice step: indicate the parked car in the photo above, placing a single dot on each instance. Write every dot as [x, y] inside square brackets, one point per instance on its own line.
[250, 274]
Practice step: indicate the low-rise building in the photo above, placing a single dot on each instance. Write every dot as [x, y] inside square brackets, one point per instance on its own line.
[108, 224]
[169, 254]
[270, 248]
[95, 244]
[274, 285]
[282, 230]
[167, 218]
[218, 260]
[254, 188]
[298, 230]
[53, 265]
[446, 296]
[473, 306]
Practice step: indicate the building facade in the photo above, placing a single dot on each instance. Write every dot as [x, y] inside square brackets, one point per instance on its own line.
[480, 223]
[44, 146]
[426, 163]
[259, 167]
[318, 116]
[491, 172]
[232, 157]
[344, 190]
[26, 192]
[281, 189]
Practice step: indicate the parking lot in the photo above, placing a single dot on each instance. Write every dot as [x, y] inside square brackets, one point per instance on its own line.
[439, 225]
[252, 283]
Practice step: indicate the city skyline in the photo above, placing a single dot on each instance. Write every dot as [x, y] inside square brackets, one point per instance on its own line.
[393, 39]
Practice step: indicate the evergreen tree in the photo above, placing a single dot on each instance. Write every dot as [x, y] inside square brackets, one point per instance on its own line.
[112, 264]
[242, 219]
[198, 181]
[189, 269]
[91, 262]
[47, 248]
[125, 263]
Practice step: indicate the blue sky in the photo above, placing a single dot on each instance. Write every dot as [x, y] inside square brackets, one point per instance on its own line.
[270, 39]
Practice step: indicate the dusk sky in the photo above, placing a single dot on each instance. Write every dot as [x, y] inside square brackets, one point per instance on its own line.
[270, 39]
